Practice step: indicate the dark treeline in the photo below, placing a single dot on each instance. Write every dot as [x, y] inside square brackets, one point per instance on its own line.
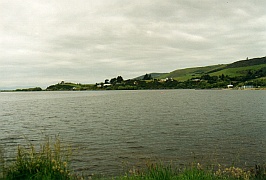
[30, 89]
[252, 78]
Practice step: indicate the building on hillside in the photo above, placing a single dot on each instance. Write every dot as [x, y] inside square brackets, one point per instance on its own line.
[105, 85]
[196, 80]
[247, 87]
[230, 86]
[164, 80]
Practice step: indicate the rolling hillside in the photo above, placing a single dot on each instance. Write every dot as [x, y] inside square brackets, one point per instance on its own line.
[238, 68]
[185, 74]
[246, 63]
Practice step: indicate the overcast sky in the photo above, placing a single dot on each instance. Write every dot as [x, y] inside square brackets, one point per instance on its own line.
[86, 41]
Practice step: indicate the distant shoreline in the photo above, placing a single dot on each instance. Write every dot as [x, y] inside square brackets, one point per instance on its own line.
[249, 89]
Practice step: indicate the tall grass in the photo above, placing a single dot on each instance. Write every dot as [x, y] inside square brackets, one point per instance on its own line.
[159, 171]
[50, 161]
[195, 171]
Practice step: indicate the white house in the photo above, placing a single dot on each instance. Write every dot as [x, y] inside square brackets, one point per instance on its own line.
[247, 87]
[105, 85]
[230, 86]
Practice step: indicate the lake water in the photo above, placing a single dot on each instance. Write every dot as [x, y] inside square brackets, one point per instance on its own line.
[115, 129]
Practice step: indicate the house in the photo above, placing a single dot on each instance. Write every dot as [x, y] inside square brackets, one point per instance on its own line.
[230, 86]
[247, 87]
[196, 80]
[164, 80]
[105, 85]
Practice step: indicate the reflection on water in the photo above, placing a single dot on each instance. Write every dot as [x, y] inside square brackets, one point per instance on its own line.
[110, 128]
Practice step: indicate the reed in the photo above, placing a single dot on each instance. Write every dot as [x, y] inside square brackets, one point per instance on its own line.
[50, 161]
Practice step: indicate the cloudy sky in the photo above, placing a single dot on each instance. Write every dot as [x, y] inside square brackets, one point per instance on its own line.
[43, 42]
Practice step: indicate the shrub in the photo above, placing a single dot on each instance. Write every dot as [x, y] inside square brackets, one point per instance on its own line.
[50, 162]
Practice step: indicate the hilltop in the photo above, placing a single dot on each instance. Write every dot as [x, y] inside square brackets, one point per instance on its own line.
[238, 68]
[248, 62]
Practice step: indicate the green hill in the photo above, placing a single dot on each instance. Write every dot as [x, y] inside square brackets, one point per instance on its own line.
[238, 68]
[185, 74]
[239, 71]
[246, 63]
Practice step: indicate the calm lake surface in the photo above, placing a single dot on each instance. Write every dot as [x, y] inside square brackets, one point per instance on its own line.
[115, 129]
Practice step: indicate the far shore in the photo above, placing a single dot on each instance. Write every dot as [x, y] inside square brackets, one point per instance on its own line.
[262, 88]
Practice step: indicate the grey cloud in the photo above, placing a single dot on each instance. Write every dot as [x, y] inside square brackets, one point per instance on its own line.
[92, 40]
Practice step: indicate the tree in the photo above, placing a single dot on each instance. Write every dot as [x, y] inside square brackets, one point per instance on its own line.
[147, 77]
[206, 77]
[106, 81]
[119, 79]
[113, 81]
[222, 77]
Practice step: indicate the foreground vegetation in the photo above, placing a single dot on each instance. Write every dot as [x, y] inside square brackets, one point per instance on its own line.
[195, 171]
[52, 162]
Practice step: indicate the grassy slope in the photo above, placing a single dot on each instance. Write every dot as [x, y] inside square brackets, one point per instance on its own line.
[240, 71]
[238, 68]
[248, 62]
[185, 74]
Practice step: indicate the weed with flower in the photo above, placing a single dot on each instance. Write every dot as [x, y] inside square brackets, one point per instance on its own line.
[49, 162]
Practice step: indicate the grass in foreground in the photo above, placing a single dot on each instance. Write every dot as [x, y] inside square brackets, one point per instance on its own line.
[195, 171]
[51, 162]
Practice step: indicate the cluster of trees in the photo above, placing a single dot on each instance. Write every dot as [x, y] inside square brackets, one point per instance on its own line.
[30, 89]
[251, 74]
[70, 87]
[205, 81]
[147, 77]
[60, 87]
[114, 81]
